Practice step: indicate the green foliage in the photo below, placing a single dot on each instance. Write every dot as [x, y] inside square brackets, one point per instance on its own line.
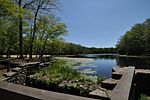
[8, 26]
[143, 97]
[63, 70]
[62, 77]
[48, 29]
[8, 8]
[100, 79]
[136, 41]
[59, 70]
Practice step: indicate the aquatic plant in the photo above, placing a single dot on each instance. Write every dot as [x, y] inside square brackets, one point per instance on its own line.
[60, 69]
[60, 76]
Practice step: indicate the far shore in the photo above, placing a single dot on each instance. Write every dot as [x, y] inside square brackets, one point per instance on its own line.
[81, 60]
[78, 57]
[134, 56]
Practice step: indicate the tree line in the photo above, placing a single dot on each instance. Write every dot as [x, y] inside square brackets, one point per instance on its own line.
[27, 26]
[32, 27]
[65, 48]
[136, 41]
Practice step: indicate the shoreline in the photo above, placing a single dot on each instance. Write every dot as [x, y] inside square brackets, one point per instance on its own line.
[80, 60]
[133, 56]
[83, 58]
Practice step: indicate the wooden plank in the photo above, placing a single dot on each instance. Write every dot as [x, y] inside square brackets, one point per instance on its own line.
[24, 92]
[122, 89]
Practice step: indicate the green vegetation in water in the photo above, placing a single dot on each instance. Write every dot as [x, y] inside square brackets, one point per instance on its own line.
[60, 69]
[62, 75]
[63, 70]
[143, 97]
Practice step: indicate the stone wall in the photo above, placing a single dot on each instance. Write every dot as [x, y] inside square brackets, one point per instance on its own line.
[24, 70]
[19, 77]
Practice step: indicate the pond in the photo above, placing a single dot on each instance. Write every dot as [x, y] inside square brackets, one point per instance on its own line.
[103, 63]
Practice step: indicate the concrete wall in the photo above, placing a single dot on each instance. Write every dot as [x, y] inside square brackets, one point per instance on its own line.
[10, 91]
[123, 88]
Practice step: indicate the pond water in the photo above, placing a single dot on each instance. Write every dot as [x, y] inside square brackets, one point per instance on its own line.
[103, 63]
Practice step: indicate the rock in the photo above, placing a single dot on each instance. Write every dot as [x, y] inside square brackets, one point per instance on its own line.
[29, 64]
[41, 65]
[99, 94]
[47, 63]
[9, 74]
[3, 79]
[17, 69]
[32, 76]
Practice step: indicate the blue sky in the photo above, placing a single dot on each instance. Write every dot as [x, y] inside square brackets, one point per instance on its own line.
[100, 23]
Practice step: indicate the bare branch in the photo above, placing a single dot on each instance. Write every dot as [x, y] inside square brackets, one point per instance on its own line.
[27, 4]
[17, 1]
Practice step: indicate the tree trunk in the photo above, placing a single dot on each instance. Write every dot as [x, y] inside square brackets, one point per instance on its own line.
[8, 65]
[8, 53]
[34, 30]
[52, 52]
[43, 48]
[20, 32]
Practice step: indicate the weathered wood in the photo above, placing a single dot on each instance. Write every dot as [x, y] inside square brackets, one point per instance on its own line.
[109, 83]
[28, 93]
[122, 89]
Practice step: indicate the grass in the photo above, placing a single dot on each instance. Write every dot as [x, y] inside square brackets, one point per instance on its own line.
[143, 97]
[63, 70]
[61, 76]
[60, 69]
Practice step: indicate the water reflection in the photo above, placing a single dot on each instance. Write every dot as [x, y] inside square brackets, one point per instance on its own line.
[143, 63]
[105, 62]
[101, 56]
